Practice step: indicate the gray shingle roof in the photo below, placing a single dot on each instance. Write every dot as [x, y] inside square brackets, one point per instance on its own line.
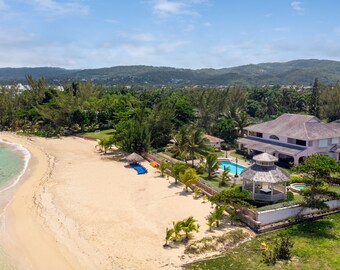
[303, 127]
[270, 146]
[265, 157]
[265, 174]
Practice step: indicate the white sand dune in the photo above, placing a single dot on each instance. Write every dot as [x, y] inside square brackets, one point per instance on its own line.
[76, 210]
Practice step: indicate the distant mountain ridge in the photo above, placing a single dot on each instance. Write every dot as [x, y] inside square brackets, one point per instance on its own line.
[298, 71]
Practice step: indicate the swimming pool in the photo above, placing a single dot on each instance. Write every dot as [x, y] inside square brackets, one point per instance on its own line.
[232, 166]
[297, 187]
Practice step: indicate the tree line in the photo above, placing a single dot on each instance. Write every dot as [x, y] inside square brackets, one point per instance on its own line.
[144, 117]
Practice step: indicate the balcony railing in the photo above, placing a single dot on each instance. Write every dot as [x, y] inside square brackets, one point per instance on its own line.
[268, 197]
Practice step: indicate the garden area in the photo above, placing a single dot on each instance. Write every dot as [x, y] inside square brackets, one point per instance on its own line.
[316, 245]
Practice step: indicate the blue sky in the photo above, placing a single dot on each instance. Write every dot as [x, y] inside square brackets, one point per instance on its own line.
[176, 33]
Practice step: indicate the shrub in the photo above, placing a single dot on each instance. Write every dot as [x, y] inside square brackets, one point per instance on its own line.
[200, 169]
[283, 248]
[295, 179]
[290, 196]
[197, 193]
[280, 250]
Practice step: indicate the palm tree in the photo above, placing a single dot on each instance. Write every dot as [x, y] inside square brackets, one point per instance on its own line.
[188, 177]
[225, 176]
[189, 225]
[179, 145]
[176, 169]
[197, 145]
[212, 163]
[241, 119]
[168, 235]
[177, 228]
[162, 168]
[105, 144]
[211, 220]
[232, 198]
[218, 214]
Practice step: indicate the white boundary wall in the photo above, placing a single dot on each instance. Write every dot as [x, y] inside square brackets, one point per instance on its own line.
[275, 215]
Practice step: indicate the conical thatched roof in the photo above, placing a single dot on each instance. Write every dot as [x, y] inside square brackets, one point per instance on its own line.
[265, 174]
[134, 157]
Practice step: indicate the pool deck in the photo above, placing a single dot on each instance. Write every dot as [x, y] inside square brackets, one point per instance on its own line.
[233, 160]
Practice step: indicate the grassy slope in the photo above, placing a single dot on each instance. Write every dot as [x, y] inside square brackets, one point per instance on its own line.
[316, 247]
[102, 134]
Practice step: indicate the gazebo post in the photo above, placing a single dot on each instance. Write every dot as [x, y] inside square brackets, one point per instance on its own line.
[253, 190]
[272, 193]
[284, 190]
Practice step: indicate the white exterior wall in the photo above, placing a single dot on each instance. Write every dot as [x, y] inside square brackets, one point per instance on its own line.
[272, 216]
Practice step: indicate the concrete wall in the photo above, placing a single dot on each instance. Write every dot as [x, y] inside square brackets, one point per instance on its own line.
[272, 216]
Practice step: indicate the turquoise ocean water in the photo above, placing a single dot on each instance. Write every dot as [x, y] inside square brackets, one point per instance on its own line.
[13, 162]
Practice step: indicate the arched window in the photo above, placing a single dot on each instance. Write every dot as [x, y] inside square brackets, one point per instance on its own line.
[274, 137]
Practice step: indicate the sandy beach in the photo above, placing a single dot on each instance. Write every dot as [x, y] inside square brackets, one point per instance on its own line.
[77, 210]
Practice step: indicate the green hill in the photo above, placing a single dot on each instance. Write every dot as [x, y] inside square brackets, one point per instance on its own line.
[297, 71]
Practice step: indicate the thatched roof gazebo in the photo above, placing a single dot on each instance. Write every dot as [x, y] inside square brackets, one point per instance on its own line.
[134, 157]
[264, 179]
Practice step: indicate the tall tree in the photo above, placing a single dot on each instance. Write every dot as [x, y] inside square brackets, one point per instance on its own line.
[188, 177]
[176, 169]
[180, 140]
[211, 163]
[316, 170]
[314, 105]
[197, 146]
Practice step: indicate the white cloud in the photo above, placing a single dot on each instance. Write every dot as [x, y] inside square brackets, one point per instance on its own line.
[165, 8]
[297, 6]
[142, 37]
[61, 8]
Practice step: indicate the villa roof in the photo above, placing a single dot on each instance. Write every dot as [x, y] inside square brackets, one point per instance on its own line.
[303, 127]
[270, 147]
[265, 174]
[212, 138]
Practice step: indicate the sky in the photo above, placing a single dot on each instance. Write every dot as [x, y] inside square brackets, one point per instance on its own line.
[79, 34]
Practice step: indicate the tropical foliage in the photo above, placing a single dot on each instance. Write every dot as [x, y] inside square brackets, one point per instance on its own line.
[176, 169]
[316, 171]
[181, 228]
[212, 163]
[188, 177]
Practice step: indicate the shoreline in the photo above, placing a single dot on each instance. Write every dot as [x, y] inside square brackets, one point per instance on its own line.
[82, 210]
[24, 235]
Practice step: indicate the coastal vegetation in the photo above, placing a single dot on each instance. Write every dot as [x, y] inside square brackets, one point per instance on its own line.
[313, 241]
[142, 118]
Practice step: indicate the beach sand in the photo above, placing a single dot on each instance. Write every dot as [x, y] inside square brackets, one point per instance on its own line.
[78, 210]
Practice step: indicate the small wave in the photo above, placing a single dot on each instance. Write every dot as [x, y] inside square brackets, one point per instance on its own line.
[27, 156]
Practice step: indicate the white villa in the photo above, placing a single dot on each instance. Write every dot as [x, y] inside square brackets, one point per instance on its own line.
[214, 141]
[291, 137]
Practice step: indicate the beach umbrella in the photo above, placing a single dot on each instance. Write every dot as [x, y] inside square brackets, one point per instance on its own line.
[134, 157]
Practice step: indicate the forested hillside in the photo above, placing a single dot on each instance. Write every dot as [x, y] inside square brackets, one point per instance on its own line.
[298, 71]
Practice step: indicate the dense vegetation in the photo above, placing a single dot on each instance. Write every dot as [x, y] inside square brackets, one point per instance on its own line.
[315, 246]
[298, 71]
[149, 116]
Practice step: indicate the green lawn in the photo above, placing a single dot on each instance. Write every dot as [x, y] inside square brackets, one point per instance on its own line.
[239, 156]
[335, 188]
[102, 134]
[316, 246]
